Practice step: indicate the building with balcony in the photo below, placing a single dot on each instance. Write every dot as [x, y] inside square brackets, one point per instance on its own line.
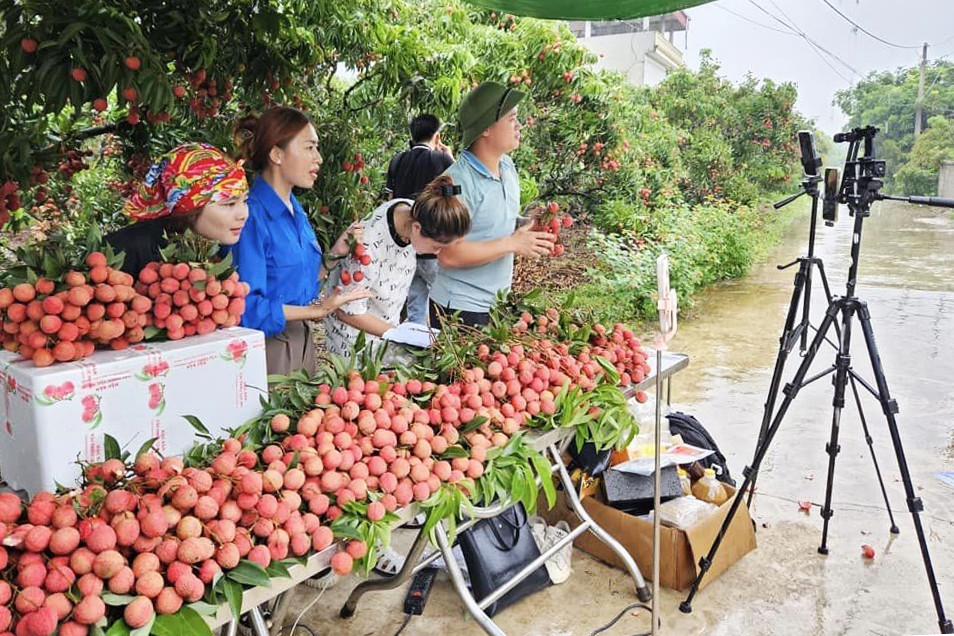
[643, 49]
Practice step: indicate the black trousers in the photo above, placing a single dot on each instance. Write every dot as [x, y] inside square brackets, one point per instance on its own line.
[469, 318]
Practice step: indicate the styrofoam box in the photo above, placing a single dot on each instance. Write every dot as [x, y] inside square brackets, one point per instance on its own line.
[53, 416]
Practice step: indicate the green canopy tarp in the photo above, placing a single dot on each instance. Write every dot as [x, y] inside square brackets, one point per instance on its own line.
[586, 9]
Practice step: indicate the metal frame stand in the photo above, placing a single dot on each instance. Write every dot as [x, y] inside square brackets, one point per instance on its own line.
[414, 563]
[260, 626]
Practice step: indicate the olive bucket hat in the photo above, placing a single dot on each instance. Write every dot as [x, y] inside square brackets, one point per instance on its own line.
[483, 107]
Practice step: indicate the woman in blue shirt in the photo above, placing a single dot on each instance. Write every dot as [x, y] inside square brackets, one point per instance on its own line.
[278, 254]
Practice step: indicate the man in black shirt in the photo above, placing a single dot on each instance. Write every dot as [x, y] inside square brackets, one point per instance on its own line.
[409, 171]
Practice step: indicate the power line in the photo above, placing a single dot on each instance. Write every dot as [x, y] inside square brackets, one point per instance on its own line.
[813, 41]
[866, 31]
[756, 23]
[814, 45]
[940, 72]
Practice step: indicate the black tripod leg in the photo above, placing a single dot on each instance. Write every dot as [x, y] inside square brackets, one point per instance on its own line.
[785, 343]
[840, 381]
[890, 407]
[874, 458]
[824, 278]
[790, 391]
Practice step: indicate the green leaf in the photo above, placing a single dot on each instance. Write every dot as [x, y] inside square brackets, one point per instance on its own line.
[455, 451]
[146, 446]
[542, 467]
[474, 424]
[205, 609]
[145, 629]
[344, 530]
[185, 622]
[198, 425]
[111, 447]
[116, 600]
[153, 333]
[276, 569]
[249, 573]
[233, 594]
[612, 375]
[119, 628]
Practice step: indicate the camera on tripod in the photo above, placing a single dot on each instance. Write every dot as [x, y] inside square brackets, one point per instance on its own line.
[863, 179]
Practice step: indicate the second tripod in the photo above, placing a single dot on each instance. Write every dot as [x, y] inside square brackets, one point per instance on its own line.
[860, 188]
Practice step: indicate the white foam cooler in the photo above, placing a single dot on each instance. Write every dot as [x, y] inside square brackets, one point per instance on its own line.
[53, 416]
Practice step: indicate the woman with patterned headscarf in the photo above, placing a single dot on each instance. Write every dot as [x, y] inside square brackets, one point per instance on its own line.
[194, 187]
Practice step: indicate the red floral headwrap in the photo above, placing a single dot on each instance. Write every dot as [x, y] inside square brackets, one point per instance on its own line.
[186, 178]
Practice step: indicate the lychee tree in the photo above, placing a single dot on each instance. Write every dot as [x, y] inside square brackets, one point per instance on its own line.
[93, 92]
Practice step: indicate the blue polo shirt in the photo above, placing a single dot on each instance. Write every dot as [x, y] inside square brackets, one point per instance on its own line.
[278, 256]
[494, 204]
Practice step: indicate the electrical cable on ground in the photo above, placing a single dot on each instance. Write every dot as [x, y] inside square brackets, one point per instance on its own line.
[407, 619]
[858, 507]
[328, 583]
[619, 616]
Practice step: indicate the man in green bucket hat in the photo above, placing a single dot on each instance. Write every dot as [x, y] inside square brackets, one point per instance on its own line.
[472, 271]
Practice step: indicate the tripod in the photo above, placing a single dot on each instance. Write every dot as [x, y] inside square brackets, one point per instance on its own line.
[860, 188]
[792, 333]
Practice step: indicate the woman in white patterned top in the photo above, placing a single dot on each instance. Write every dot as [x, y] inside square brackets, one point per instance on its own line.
[394, 234]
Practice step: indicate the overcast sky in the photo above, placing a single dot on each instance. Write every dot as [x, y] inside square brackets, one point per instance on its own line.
[742, 47]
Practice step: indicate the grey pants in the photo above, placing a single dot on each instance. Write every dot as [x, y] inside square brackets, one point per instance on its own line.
[290, 350]
[420, 290]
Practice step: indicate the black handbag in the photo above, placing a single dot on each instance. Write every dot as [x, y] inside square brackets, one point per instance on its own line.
[497, 548]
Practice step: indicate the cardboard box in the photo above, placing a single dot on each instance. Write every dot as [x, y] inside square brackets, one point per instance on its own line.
[679, 551]
[53, 416]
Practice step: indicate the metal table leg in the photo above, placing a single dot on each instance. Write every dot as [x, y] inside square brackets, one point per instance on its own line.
[387, 583]
[231, 629]
[457, 579]
[258, 622]
[642, 591]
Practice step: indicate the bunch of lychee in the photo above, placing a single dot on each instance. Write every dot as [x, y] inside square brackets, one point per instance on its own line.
[64, 320]
[159, 533]
[189, 300]
[548, 219]
[619, 346]
[351, 267]
[9, 200]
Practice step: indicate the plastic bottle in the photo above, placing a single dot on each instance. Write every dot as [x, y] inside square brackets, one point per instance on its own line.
[710, 489]
[684, 480]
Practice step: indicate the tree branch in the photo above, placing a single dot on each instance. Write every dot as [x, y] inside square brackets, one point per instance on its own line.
[347, 93]
[88, 133]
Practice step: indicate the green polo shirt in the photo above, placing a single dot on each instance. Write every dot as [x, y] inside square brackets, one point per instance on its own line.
[494, 204]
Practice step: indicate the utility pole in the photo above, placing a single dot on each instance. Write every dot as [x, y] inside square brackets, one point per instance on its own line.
[918, 104]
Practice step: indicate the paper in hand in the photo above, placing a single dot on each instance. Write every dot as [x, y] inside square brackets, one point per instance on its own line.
[411, 333]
